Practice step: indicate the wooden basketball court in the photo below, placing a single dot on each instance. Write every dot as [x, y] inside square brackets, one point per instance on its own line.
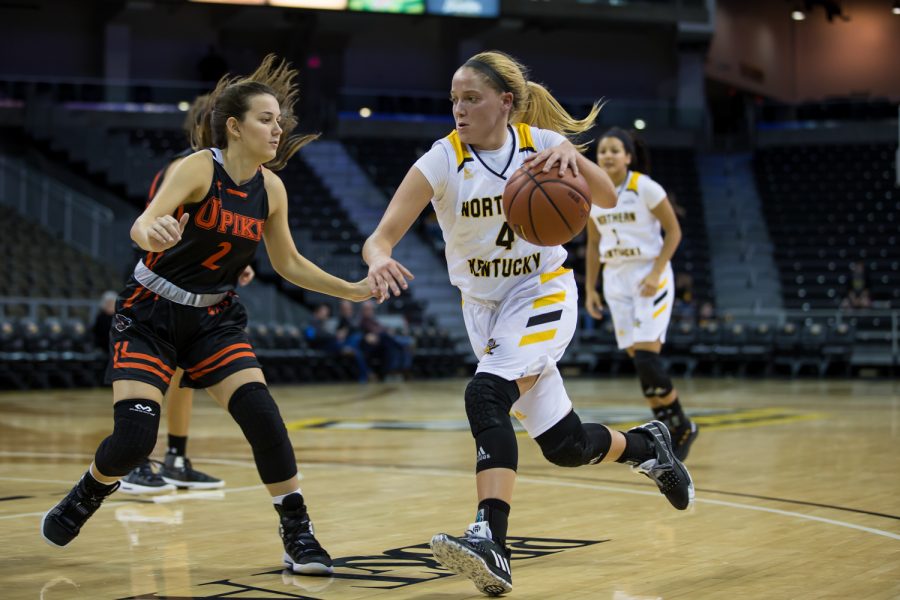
[798, 496]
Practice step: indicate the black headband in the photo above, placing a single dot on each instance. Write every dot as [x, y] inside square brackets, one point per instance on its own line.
[488, 71]
[623, 137]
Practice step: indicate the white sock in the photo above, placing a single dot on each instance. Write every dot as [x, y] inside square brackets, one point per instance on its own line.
[280, 499]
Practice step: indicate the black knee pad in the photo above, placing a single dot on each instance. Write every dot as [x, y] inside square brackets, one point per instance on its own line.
[655, 381]
[132, 439]
[570, 443]
[254, 409]
[489, 399]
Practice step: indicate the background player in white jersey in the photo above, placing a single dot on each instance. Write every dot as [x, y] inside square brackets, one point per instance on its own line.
[637, 276]
[520, 306]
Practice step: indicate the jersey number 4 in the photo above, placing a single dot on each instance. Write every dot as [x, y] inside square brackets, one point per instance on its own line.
[210, 263]
[506, 237]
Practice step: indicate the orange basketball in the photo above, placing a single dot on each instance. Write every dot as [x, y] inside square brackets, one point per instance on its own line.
[544, 208]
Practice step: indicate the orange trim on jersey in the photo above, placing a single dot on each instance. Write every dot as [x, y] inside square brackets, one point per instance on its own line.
[210, 359]
[133, 365]
[147, 357]
[236, 193]
[152, 193]
[221, 364]
[132, 298]
[119, 364]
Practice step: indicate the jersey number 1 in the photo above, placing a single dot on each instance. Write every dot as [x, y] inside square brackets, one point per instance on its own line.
[210, 263]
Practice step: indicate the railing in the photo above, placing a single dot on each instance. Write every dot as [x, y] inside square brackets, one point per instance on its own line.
[69, 307]
[78, 220]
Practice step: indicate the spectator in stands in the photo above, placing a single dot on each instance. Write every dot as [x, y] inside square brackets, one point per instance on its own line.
[706, 314]
[202, 230]
[858, 297]
[391, 352]
[638, 281]
[685, 307]
[350, 334]
[519, 324]
[321, 335]
[103, 320]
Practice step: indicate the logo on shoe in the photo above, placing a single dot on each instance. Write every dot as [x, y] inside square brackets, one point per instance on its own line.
[140, 408]
[482, 455]
[121, 322]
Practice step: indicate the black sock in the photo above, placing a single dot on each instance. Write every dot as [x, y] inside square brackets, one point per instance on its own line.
[638, 448]
[177, 445]
[94, 487]
[661, 413]
[496, 513]
[675, 418]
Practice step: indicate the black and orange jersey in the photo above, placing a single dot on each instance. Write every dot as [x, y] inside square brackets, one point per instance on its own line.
[161, 174]
[221, 236]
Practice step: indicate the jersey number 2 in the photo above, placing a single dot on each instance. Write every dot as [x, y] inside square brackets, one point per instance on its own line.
[210, 263]
[506, 237]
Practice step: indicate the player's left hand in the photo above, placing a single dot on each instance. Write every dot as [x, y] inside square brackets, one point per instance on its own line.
[247, 276]
[566, 154]
[650, 284]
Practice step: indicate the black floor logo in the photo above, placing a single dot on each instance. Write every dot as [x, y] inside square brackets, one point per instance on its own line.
[392, 569]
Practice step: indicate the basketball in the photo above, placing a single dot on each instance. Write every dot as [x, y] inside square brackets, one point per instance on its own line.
[544, 208]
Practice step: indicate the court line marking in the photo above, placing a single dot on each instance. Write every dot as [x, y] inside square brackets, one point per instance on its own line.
[532, 480]
[605, 488]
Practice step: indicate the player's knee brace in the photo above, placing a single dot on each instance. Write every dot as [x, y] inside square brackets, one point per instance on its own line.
[132, 439]
[570, 443]
[655, 381]
[489, 399]
[254, 409]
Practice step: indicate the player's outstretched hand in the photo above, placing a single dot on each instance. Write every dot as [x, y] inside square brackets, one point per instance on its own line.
[246, 277]
[388, 277]
[360, 291]
[165, 232]
[566, 154]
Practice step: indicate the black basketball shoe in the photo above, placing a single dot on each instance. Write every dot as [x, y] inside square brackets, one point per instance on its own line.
[62, 523]
[178, 471]
[683, 438]
[476, 556]
[302, 551]
[669, 474]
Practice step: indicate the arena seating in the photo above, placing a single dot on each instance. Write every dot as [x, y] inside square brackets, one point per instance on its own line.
[828, 207]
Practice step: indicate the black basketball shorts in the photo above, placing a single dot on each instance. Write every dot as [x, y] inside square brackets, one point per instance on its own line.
[150, 336]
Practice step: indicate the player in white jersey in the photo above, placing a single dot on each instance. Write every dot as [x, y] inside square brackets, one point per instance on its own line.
[520, 306]
[637, 276]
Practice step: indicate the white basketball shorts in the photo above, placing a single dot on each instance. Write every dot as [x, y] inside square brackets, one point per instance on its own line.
[637, 318]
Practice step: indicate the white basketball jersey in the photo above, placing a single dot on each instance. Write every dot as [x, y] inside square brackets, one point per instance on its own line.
[484, 257]
[630, 232]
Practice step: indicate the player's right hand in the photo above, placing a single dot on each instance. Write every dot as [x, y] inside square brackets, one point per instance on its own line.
[165, 232]
[594, 304]
[388, 277]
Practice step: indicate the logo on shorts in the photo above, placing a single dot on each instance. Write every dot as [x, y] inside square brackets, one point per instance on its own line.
[489, 349]
[121, 322]
[482, 455]
[637, 322]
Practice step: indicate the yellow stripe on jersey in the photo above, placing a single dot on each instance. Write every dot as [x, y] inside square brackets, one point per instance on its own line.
[462, 153]
[633, 182]
[526, 143]
[663, 284]
[545, 277]
[534, 338]
[659, 310]
[549, 299]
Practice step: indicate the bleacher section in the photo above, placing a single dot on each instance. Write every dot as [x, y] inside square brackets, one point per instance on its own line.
[37, 265]
[828, 207]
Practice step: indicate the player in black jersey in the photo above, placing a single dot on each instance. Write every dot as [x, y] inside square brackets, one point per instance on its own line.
[176, 471]
[179, 309]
